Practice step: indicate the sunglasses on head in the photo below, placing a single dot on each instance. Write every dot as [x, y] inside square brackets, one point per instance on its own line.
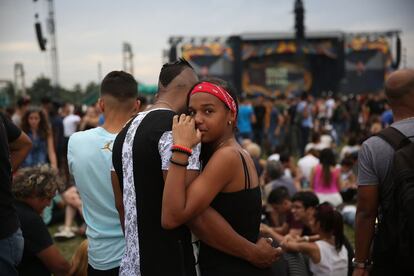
[180, 61]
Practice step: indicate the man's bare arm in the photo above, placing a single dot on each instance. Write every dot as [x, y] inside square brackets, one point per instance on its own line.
[119, 203]
[19, 149]
[215, 231]
[367, 210]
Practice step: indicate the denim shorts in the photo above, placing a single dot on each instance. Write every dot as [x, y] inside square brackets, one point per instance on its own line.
[11, 252]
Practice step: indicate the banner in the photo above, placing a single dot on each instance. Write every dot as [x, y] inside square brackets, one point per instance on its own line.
[210, 59]
[367, 63]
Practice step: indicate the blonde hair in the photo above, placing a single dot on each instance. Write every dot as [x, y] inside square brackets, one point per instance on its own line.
[40, 181]
[254, 150]
[80, 261]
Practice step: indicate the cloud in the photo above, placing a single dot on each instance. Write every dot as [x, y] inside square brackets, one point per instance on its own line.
[88, 33]
[18, 46]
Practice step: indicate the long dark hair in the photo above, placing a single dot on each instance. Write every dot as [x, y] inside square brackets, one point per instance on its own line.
[327, 159]
[331, 221]
[44, 129]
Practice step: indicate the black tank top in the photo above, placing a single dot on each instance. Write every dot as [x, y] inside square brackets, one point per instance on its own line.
[242, 210]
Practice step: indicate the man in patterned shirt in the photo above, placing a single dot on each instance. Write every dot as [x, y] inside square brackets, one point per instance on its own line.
[141, 156]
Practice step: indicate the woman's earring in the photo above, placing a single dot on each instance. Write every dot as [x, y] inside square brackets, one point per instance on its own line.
[229, 123]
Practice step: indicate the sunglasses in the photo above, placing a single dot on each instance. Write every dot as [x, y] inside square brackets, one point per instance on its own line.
[180, 61]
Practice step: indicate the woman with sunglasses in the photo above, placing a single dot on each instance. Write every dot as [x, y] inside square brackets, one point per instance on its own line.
[228, 181]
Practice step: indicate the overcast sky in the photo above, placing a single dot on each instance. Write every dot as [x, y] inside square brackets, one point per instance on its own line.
[89, 31]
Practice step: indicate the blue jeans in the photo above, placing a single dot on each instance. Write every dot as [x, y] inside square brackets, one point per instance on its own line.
[11, 252]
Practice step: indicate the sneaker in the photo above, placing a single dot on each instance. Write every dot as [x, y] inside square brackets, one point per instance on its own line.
[65, 234]
[74, 229]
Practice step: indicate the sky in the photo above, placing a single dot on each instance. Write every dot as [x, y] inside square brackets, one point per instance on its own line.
[91, 32]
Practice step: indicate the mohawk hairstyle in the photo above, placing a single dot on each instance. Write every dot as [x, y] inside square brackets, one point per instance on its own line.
[171, 70]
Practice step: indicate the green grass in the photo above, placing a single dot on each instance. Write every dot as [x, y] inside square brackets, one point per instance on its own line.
[350, 234]
[68, 247]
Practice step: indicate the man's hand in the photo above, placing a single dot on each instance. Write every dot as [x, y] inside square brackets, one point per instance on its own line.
[264, 254]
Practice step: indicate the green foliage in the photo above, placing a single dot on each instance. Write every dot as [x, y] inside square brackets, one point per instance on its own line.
[7, 95]
[41, 87]
[91, 94]
[78, 95]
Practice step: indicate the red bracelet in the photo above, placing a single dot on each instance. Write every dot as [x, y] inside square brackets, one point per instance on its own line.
[182, 149]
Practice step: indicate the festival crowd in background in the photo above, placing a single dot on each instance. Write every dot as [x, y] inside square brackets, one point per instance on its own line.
[303, 149]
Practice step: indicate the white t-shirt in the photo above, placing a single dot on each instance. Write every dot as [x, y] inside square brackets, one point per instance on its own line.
[349, 150]
[306, 164]
[330, 105]
[332, 263]
[70, 124]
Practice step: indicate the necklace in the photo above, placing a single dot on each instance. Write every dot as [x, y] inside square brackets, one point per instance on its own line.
[165, 103]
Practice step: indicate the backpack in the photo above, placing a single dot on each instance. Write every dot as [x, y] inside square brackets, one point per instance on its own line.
[395, 233]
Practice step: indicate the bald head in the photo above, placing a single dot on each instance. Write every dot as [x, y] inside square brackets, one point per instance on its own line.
[399, 87]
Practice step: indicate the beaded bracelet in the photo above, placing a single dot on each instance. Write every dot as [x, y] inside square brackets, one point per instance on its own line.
[178, 163]
[182, 149]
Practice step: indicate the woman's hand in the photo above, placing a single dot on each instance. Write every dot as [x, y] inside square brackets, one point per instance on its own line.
[184, 131]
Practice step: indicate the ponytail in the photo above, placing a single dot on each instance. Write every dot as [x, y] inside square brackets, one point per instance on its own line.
[326, 173]
[331, 222]
[338, 230]
[327, 160]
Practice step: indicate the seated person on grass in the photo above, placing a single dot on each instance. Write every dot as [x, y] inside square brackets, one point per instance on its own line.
[34, 189]
[283, 220]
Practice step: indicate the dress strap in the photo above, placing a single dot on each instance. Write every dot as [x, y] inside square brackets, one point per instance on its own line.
[246, 173]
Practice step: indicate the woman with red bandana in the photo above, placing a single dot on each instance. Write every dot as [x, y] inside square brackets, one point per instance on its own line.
[228, 180]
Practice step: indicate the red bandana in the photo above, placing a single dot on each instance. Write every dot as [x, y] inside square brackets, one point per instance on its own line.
[215, 90]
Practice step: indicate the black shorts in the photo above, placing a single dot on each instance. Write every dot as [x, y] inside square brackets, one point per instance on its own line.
[95, 272]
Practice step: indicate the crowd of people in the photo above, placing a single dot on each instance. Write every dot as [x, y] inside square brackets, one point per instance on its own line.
[202, 181]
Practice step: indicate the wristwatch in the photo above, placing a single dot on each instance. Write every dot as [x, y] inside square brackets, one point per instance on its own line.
[365, 264]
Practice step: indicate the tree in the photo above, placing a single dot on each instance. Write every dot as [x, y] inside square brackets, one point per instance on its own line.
[91, 93]
[7, 97]
[41, 87]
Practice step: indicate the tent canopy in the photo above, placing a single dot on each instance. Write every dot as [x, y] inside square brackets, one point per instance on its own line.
[148, 89]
